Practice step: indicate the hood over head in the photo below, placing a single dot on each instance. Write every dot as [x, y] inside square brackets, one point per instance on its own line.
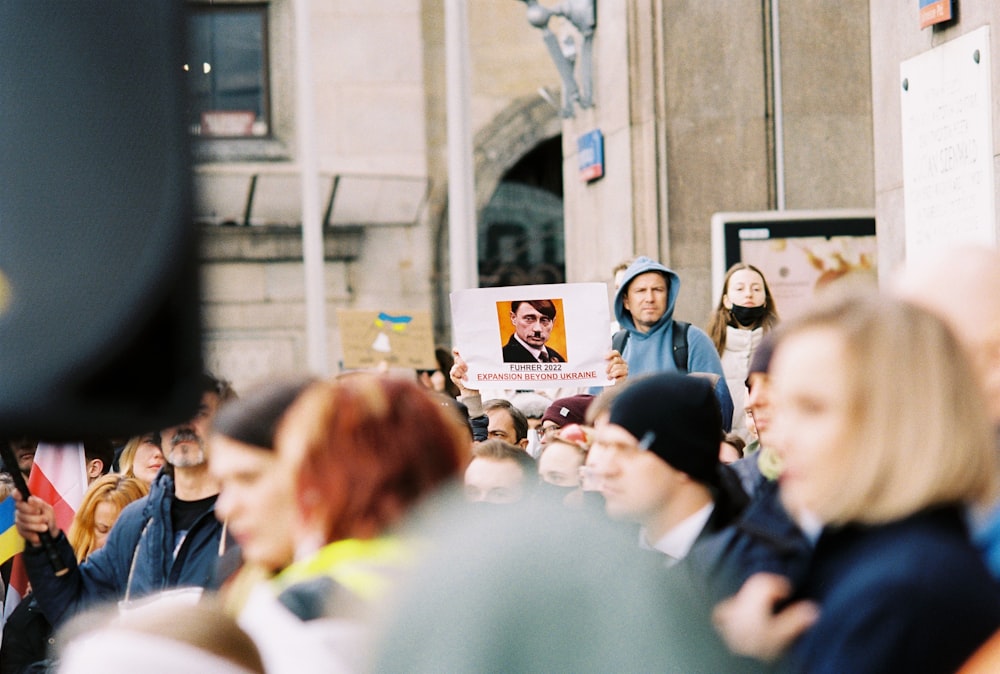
[641, 265]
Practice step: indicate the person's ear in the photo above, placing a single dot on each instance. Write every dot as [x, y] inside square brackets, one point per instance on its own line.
[524, 443]
[95, 468]
[726, 302]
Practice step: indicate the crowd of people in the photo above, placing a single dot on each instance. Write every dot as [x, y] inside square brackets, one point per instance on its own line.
[814, 494]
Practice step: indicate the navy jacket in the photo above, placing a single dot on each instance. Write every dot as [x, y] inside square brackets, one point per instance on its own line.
[908, 596]
[762, 539]
[136, 561]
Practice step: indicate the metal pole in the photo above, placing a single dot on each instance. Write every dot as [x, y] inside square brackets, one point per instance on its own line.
[461, 196]
[312, 225]
[779, 114]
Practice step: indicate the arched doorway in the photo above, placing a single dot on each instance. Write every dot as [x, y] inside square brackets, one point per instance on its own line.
[521, 147]
[520, 230]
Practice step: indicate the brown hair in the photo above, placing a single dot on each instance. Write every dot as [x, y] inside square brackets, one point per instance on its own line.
[363, 449]
[722, 317]
[496, 449]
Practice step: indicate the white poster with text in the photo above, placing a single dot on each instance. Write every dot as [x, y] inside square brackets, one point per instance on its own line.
[537, 336]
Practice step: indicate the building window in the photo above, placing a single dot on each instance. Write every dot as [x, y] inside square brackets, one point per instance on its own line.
[227, 71]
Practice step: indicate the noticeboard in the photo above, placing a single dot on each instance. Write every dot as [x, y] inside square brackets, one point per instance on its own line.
[799, 252]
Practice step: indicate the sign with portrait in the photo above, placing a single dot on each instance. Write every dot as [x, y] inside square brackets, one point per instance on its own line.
[536, 336]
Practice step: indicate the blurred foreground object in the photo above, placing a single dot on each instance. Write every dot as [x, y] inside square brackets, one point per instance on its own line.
[99, 302]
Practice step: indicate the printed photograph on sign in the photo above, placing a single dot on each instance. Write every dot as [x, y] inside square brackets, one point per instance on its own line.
[532, 331]
[534, 336]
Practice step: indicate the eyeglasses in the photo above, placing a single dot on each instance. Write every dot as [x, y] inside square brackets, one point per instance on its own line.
[546, 431]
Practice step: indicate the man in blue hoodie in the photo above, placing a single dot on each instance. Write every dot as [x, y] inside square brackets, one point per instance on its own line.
[644, 307]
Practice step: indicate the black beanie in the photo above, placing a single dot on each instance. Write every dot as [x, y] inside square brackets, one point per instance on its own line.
[677, 417]
[254, 418]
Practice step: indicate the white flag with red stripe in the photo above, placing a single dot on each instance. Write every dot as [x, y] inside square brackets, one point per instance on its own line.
[59, 477]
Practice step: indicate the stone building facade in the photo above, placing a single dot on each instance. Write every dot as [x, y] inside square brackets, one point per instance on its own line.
[901, 39]
[685, 98]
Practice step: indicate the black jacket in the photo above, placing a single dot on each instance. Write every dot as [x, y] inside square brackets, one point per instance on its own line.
[514, 352]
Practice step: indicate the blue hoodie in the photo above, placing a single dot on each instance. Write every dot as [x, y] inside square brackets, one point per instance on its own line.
[652, 351]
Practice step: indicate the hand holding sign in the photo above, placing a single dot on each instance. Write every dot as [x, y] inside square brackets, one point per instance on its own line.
[541, 336]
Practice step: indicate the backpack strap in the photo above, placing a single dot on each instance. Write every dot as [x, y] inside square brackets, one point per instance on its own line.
[618, 340]
[681, 346]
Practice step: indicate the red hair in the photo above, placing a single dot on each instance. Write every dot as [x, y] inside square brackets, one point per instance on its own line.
[363, 449]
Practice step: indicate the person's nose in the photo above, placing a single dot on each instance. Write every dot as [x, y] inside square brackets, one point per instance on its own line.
[599, 462]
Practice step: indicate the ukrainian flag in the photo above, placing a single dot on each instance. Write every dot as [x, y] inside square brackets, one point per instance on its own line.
[10, 542]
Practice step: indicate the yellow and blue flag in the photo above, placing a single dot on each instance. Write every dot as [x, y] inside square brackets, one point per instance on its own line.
[10, 542]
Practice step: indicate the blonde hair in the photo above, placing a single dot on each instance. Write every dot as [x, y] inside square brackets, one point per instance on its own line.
[127, 459]
[919, 436]
[117, 490]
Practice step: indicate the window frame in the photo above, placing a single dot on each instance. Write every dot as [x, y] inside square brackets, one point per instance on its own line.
[277, 53]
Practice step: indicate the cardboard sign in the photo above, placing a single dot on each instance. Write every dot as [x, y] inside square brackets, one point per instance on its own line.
[538, 336]
[370, 338]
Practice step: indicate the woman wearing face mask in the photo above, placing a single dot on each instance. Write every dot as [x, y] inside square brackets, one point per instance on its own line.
[745, 312]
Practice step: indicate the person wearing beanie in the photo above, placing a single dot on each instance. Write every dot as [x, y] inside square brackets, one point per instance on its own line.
[657, 457]
[563, 412]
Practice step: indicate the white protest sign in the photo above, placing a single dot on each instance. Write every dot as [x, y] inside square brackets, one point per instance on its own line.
[506, 335]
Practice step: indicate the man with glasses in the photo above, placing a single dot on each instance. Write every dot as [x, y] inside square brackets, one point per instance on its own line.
[563, 412]
[532, 321]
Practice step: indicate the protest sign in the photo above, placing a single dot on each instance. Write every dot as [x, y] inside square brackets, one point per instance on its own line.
[370, 338]
[537, 336]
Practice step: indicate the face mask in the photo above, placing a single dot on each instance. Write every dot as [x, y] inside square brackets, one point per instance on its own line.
[593, 500]
[553, 492]
[748, 315]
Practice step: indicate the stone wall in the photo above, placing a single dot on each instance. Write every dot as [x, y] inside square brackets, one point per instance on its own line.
[897, 37]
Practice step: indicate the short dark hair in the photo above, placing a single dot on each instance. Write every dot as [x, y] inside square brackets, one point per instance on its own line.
[102, 449]
[516, 415]
[209, 383]
[460, 408]
[544, 307]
